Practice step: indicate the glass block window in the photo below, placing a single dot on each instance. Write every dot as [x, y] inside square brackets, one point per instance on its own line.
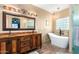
[62, 23]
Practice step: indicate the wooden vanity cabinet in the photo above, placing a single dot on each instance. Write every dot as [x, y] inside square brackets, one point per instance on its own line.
[21, 43]
[9, 45]
[30, 42]
[25, 44]
[5, 46]
[36, 41]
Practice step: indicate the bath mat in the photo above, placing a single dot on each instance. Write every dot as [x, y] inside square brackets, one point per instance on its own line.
[34, 52]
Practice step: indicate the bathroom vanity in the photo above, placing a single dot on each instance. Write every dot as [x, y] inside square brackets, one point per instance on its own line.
[19, 42]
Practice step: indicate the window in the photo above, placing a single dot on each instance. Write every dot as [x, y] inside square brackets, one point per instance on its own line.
[30, 23]
[62, 23]
[15, 23]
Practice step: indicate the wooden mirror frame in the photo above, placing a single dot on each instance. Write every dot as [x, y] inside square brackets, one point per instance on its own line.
[4, 22]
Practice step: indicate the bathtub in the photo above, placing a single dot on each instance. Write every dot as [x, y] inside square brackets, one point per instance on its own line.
[59, 41]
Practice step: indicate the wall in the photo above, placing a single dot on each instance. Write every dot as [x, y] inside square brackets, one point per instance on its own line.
[41, 19]
[57, 15]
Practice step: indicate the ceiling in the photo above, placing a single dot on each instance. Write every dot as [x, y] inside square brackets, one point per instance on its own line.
[47, 7]
[52, 7]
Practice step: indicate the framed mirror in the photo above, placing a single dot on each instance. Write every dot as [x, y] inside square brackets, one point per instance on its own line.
[17, 22]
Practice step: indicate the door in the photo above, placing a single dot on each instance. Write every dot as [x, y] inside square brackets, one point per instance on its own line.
[75, 29]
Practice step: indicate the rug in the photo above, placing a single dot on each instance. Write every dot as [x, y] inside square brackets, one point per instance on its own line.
[34, 52]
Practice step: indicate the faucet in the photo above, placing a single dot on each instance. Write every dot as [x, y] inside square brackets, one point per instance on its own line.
[9, 32]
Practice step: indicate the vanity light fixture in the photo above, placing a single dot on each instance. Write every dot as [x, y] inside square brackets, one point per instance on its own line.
[21, 11]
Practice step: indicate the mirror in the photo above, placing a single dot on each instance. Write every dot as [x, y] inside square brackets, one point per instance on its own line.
[27, 23]
[17, 22]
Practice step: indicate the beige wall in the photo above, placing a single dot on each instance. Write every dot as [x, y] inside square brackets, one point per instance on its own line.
[57, 15]
[41, 19]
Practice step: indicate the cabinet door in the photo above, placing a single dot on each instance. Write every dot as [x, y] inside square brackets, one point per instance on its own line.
[9, 46]
[14, 44]
[39, 41]
[34, 41]
[5, 46]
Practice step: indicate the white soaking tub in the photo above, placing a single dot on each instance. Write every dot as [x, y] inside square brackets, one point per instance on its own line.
[59, 41]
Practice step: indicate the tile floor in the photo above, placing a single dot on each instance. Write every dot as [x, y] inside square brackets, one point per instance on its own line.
[47, 48]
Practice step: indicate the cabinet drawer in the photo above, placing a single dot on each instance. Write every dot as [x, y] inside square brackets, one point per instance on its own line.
[25, 49]
[26, 43]
[25, 39]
